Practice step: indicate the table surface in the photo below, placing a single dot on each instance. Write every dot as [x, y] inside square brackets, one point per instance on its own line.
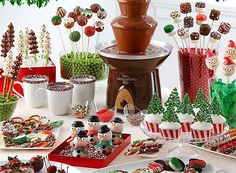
[24, 111]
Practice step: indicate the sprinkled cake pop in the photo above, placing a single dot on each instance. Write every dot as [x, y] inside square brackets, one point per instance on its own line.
[101, 14]
[224, 28]
[205, 29]
[75, 36]
[95, 7]
[89, 31]
[78, 10]
[176, 16]
[73, 15]
[185, 8]
[69, 22]
[87, 13]
[99, 26]
[214, 37]
[200, 19]
[188, 22]
[200, 7]
[211, 60]
[82, 20]
[61, 12]
[228, 68]
[214, 14]
[231, 50]
[56, 20]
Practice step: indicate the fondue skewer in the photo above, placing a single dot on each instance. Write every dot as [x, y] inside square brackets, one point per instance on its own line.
[169, 29]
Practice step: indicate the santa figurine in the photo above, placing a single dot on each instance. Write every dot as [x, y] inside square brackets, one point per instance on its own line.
[228, 68]
[93, 126]
[105, 142]
[231, 50]
[76, 127]
[117, 127]
[80, 144]
[211, 60]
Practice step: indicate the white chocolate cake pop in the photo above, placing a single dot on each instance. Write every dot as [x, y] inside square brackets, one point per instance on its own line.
[211, 60]
[228, 67]
[231, 50]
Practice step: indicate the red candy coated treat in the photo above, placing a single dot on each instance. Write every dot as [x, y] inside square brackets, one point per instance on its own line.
[82, 20]
[73, 15]
[89, 31]
[201, 17]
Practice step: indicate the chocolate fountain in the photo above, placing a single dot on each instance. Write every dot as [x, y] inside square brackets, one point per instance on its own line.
[133, 59]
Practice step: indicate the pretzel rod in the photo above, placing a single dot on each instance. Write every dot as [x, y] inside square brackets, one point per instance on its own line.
[219, 144]
[227, 148]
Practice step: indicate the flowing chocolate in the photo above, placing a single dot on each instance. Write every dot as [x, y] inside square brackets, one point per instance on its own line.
[95, 7]
[214, 15]
[185, 8]
[188, 22]
[194, 36]
[205, 29]
[224, 28]
[215, 35]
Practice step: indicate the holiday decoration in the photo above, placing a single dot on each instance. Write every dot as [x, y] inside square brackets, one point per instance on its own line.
[216, 107]
[170, 114]
[185, 106]
[155, 105]
[200, 98]
[204, 113]
[173, 99]
[228, 68]
[5, 45]
[33, 44]
[231, 50]
[10, 34]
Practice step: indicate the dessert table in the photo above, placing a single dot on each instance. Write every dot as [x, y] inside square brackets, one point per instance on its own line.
[24, 111]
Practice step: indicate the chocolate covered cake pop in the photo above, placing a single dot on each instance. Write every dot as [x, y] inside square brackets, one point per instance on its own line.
[194, 36]
[101, 14]
[82, 20]
[87, 13]
[200, 7]
[205, 29]
[73, 15]
[99, 26]
[214, 37]
[69, 22]
[78, 10]
[56, 20]
[185, 8]
[224, 28]
[214, 14]
[95, 7]
[61, 12]
[188, 22]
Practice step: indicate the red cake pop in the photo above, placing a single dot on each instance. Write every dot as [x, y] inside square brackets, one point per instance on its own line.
[82, 20]
[89, 31]
[73, 15]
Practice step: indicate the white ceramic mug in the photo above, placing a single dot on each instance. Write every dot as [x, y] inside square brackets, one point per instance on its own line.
[84, 90]
[59, 97]
[30, 85]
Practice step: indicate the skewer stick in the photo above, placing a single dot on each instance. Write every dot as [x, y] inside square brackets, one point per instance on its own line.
[82, 50]
[203, 44]
[176, 42]
[87, 49]
[10, 89]
[5, 86]
[97, 39]
[62, 41]
[228, 79]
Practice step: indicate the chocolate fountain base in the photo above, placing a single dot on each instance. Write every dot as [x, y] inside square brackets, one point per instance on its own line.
[133, 79]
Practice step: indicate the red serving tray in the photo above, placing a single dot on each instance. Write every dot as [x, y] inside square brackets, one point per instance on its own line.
[48, 71]
[85, 162]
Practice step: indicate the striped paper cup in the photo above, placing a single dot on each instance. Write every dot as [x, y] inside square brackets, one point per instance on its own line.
[152, 122]
[186, 121]
[185, 126]
[218, 124]
[152, 127]
[170, 131]
[201, 131]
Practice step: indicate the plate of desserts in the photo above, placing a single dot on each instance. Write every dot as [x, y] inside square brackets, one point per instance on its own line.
[35, 132]
[166, 165]
[36, 164]
[225, 146]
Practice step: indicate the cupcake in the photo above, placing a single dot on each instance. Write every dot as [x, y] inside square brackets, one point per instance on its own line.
[218, 124]
[170, 130]
[201, 131]
[152, 122]
[186, 114]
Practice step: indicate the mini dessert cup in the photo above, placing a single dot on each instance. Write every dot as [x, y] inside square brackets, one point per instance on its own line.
[134, 115]
[106, 115]
[7, 108]
[152, 122]
[170, 130]
[201, 131]
[218, 124]
[186, 121]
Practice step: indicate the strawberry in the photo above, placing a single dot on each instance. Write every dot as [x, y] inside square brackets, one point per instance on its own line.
[36, 163]
[52, 169]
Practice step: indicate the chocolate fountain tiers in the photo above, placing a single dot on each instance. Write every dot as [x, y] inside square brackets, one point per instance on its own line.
[133, 79]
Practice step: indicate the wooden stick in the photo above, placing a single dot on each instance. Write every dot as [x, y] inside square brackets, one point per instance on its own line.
[10, 89]
[5, 86]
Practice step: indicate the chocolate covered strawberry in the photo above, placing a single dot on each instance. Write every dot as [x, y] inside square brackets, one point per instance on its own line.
[52, 169]
[13, 162]
[36, 163]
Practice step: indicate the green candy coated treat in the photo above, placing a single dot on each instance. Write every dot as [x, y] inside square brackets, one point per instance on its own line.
[168, 28]
[56, 20]
[75, 36]
[175, 164]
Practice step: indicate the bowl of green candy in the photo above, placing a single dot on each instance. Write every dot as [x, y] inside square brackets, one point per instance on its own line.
[7, 107]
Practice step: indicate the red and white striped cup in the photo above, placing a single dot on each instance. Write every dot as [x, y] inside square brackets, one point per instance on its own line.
[152, 127]
[170, 131]
[152, 122]
[186, 121]
[201, 131]
[218, 124]
[185, 126]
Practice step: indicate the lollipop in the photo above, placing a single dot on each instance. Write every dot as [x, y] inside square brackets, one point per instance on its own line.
[201, 18]
[185, 8]
[69, 22]
[224, 28]
[211, 60]
[75, 36]
[200, 7]
[95, 7]
[61, 12]
[214, 14]
[228, 68]
[78, 10]
[87, 13]
[99, 26]
[231, 50]
[82, 20]
[101, 14]
[169, 29]
[188, 22]
[175, 15]
[56, 20]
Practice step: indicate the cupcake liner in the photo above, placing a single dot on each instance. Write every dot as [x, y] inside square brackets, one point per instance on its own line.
[152, 127]
[218, 128]
[170, 134]
[201, 135]
[185, 126]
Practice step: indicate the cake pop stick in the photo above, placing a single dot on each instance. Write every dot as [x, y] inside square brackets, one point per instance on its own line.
[94, 8]
[205, 29]
[169, 29]
[69, 23]
[212, 61]
[228, 68]
[75, 37]
[200, 7]
[224, 29]
[183, 34]
[89, 32]
[176, 16]
[15, 69]
[195, 39]
[7, 70]
[82, 21]
[200, 19]
[99, 27]
[188, 23]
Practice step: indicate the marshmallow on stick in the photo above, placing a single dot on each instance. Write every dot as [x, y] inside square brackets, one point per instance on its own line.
[200, 7]
[214, 15]
[228, 68]
[183, 33]
[195, 39]
[7, 70]
[224, 29]
[205, 30]
[231, 50]
[176, 16]
[214, 38]
[99, 27]
[169, 29]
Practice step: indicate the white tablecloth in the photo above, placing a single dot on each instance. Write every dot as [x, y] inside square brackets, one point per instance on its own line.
[24, 111]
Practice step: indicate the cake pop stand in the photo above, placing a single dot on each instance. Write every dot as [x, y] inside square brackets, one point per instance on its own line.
[183, 149]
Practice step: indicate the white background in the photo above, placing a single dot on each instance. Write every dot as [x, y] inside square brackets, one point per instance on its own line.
[34, 18]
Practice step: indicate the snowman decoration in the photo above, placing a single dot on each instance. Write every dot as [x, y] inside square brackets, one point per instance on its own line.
[93, 126]
[212, 61]
[117, 126]
[76, 127]
[228, 68]
[80, 144]
[231, 50]
[105, 142]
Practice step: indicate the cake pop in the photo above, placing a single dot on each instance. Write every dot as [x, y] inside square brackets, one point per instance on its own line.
[101, 14]
[76, 127]
[211, 60]
[117, 127]
[80, 144]
[82, 20]
[185, 8]
[105, 141]
[61, 12]
[228, 68]
[89, 31]
[99, 26]
[231, 50]
[214, 14]
[183, 33]
[188, 22]
[78, 10]
[194, 37]
[205, 29]
[93, 126]
[200, 7]
[75, 36]
[200, 19]
[69, 22]
[95, 7]
[87, 13]
[73, 15]
[214, 37]
[56, 20]
[224, 28]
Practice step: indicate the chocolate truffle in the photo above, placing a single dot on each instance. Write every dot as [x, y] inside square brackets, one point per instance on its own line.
[224, 28]
[99, 26]
[205, 29]
[95, 7]
[214, 15]
[185, 8]
[188, 22]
